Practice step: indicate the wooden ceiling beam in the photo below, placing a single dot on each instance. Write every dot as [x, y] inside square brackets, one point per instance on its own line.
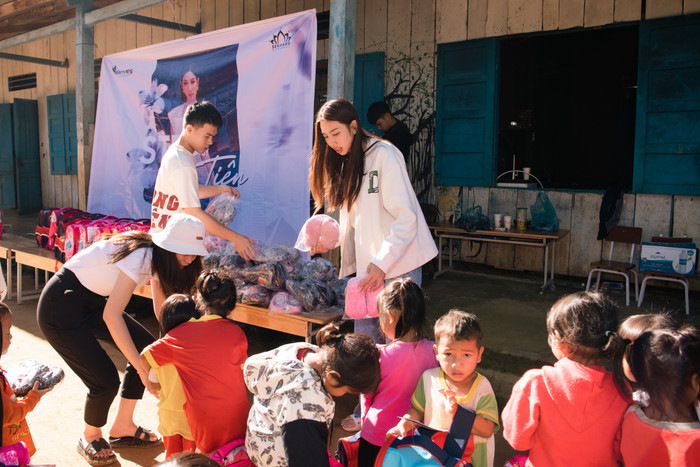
[38, 14]
[18, 7]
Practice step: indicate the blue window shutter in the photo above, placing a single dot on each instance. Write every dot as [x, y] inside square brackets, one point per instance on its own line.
[57, 140]
[71, 134]
[667, 134]
[369, 85]
[465, 117]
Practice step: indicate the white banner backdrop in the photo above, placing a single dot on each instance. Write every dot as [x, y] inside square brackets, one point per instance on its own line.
[260, 76]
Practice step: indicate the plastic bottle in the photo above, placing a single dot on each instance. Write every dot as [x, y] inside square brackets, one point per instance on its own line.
[682, 262]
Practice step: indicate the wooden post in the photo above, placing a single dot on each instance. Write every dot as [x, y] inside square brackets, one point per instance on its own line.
[84, 96]
[341, 54]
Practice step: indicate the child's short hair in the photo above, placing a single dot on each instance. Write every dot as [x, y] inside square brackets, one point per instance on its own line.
[376, 110]
[4, 311]
[664, 362]
[635, 325]
[201, 113]
[587, 323]
[354, 356]
[216, 293]
[403, 299]
[177, 309]
[459, 325]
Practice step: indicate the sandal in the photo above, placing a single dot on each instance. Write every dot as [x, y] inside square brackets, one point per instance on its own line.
[90, 450]
[141, 439]
[351, 423]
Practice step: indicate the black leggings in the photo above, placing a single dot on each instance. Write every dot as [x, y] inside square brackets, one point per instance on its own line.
[367, 453]
[70, 316]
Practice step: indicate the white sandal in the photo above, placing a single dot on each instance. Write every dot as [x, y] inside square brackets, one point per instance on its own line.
[351, 423]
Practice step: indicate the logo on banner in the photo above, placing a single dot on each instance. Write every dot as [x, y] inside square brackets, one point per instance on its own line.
[117, 71]
[281, 40]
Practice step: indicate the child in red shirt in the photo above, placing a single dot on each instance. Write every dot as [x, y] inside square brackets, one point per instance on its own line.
[14, 411]
[570, 413]
[208, 354]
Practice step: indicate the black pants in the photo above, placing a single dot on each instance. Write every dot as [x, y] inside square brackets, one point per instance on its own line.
[367, 453]
[70, 316]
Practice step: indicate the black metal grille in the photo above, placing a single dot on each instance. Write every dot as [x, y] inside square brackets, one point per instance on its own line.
[19, 82]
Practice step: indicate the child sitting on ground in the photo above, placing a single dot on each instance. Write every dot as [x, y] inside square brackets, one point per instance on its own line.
[293, 388]
[664, 363]
[14, 411]
[569, 414]
[177, 436]
[208, 354]
[401, 308]
[458, 349]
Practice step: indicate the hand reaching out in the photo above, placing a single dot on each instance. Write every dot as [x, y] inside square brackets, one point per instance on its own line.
[230, 190]
[450, 401]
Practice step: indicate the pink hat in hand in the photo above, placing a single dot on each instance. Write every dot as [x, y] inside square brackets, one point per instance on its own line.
[322, 229]
[358, 304]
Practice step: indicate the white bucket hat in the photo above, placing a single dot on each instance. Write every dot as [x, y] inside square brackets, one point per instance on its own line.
[183, 234]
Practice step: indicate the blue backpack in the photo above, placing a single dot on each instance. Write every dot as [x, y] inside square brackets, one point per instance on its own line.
[419, 450]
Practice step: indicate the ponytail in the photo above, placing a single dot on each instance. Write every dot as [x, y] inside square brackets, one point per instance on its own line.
[354, 357]
[216, 293]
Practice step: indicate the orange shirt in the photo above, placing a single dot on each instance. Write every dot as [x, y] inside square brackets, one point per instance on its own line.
[14, 423]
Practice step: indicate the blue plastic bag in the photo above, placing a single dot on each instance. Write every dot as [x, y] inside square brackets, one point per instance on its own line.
[544, 217]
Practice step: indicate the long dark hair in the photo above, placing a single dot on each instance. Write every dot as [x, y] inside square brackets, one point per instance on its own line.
[216, 293]
[403, 300]
[354, 357]
[333, 178]
[164, 264]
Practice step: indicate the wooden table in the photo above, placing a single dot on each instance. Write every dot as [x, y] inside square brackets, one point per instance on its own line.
[26, 252]
[304, 324]
[545, 240]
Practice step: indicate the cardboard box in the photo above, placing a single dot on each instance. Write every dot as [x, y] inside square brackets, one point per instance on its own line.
[671, 258]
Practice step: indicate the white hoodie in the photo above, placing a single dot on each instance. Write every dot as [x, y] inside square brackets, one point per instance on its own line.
[385, 225]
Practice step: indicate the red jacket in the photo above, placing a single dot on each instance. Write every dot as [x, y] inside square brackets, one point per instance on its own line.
[569, 414]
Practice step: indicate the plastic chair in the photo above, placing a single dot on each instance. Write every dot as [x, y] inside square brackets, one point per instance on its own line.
[662, 276]
[619, 234]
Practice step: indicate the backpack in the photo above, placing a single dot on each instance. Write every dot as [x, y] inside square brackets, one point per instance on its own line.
[419, 450]
[232, 454]
[43, 225]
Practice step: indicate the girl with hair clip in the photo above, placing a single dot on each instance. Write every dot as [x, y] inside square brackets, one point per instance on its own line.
[208, 354]
[666, 364]
[293, 388]
[401, 307]
[630, 329]
[570, 413]
[85, 300]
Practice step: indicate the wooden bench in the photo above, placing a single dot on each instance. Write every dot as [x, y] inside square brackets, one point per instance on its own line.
[25, 253]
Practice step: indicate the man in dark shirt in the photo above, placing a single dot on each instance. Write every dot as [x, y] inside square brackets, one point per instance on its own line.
[395, 131]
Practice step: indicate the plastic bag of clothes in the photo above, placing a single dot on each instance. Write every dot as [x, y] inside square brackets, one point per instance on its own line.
[22, 376]
[223, 208]
[284, 302]
[339, 287]
[254, 295]
[269, 275]
[312, 293]
[320, 269]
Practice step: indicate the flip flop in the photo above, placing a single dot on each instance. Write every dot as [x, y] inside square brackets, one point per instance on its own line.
[89, 452]
[141, 439]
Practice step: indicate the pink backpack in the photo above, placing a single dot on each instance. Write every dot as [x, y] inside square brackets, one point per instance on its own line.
[232, 454]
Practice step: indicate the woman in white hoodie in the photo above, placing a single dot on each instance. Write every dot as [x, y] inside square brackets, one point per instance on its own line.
[383, 233]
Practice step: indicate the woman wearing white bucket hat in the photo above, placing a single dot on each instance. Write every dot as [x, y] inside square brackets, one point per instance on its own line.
[85, 300]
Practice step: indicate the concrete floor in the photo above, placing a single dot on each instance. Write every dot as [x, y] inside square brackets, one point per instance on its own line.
[508, 303]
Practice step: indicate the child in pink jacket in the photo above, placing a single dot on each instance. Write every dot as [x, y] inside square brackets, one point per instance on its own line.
[570, 413]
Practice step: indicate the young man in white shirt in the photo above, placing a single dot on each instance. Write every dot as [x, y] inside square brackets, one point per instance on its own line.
[177, 188]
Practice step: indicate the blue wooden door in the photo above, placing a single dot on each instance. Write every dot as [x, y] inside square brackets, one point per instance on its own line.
[26, 138]
[465, 116]
[369, 85]
[7, 160]
[667, 133]
[57, 136]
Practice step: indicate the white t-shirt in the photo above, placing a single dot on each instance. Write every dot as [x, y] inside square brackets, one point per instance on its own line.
[176, 186]
[92, 267]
